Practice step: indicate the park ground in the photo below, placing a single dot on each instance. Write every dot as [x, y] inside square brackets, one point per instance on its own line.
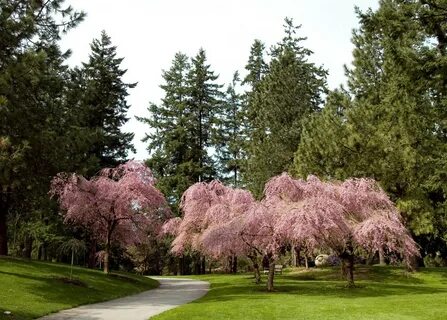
[382, 293]
[29, 289]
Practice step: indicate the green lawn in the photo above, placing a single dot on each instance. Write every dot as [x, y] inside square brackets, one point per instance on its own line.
[382, 293]
[30, 289]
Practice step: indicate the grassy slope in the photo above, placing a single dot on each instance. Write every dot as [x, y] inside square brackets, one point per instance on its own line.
[383, 293]
[30, 289]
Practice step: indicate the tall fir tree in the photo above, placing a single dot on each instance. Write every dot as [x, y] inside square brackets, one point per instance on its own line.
[34, 127]
[169, 136]
[204, 102]
[104, 106]
[256, 66]
[289, 92]
[184, 126]
[392, 124]
[231, 134]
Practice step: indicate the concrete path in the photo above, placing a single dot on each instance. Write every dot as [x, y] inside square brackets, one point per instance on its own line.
[171, 293]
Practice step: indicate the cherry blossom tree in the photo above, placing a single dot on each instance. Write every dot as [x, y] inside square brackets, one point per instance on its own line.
[344, 217]
[223, 237]
[118, 205]
[211, 222]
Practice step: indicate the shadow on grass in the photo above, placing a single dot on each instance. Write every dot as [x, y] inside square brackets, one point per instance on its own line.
[372, 282]
[320, 289]
[47, 293]
[361, 273]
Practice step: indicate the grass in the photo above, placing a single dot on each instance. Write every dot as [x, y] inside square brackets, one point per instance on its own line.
[30, 289]
[382, 293]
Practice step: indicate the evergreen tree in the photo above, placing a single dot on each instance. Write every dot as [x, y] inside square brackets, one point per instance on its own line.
[103, 104]
[256, 65]
[287, 94]
[204, 102]
[169, 137]
[231, 135]
[392, 128]
[32, 110]
[184, 126]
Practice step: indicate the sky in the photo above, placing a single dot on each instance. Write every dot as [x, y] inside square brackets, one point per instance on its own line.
[148, 33]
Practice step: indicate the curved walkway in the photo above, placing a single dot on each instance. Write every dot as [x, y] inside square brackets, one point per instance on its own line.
[171, 293]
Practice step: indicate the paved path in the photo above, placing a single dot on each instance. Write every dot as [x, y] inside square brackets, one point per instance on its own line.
[171, 293]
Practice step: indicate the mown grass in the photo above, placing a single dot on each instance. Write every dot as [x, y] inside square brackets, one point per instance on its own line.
[30, 289]
[382, 293]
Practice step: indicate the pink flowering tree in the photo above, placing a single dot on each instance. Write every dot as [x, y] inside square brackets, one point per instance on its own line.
[119, 205]
[223, 237]
[211, 221]
[344, 217]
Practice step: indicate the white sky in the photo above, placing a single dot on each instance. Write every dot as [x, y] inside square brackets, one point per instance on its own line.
[149, 32]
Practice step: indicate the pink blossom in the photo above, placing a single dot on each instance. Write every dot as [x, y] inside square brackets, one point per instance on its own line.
[120, 204]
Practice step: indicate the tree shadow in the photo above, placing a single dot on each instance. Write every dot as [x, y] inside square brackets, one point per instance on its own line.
[371, 282]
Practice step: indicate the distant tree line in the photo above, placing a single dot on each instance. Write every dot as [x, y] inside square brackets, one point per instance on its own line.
[389, 123]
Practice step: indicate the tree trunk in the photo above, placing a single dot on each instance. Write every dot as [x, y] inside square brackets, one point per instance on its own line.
[28, 247]
[381, 257]
[347, 268]
[271, 275]
[197, 259]
[296, 256]
[71, 265]
[256, 271]
[306, 262]
[45, 251]
[3, 226]
[106, 255]
[293, 257]
[42, 252]
[203, 265]
[180, 266]
[234, 266]
[91, 263]
[106, 259]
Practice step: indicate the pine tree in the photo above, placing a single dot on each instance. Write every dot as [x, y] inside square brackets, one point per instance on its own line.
[169, 139]
[256, 65]
[32, 109]
[184, 126]
[287, 94]
[103, 104]
[232, 134]
[204, 102]
[392, 128]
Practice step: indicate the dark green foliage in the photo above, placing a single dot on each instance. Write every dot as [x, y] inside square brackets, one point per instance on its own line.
[183, 126]
[231, 136]
[103, 105]
[289, 92]
[256, 65]
[169, 137]
[391, 123]
[204, 102]
[33, 117]
[52, 119]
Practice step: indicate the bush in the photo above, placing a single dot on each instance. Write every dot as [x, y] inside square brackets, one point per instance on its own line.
[434, 261]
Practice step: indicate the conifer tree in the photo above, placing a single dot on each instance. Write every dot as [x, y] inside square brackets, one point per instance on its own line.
[103, 104]
[169, 138]
[256, 65]
[184, 126]
[33, 118]
[392, 124]
[287, 94]
[204, 102]
[232, 134]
